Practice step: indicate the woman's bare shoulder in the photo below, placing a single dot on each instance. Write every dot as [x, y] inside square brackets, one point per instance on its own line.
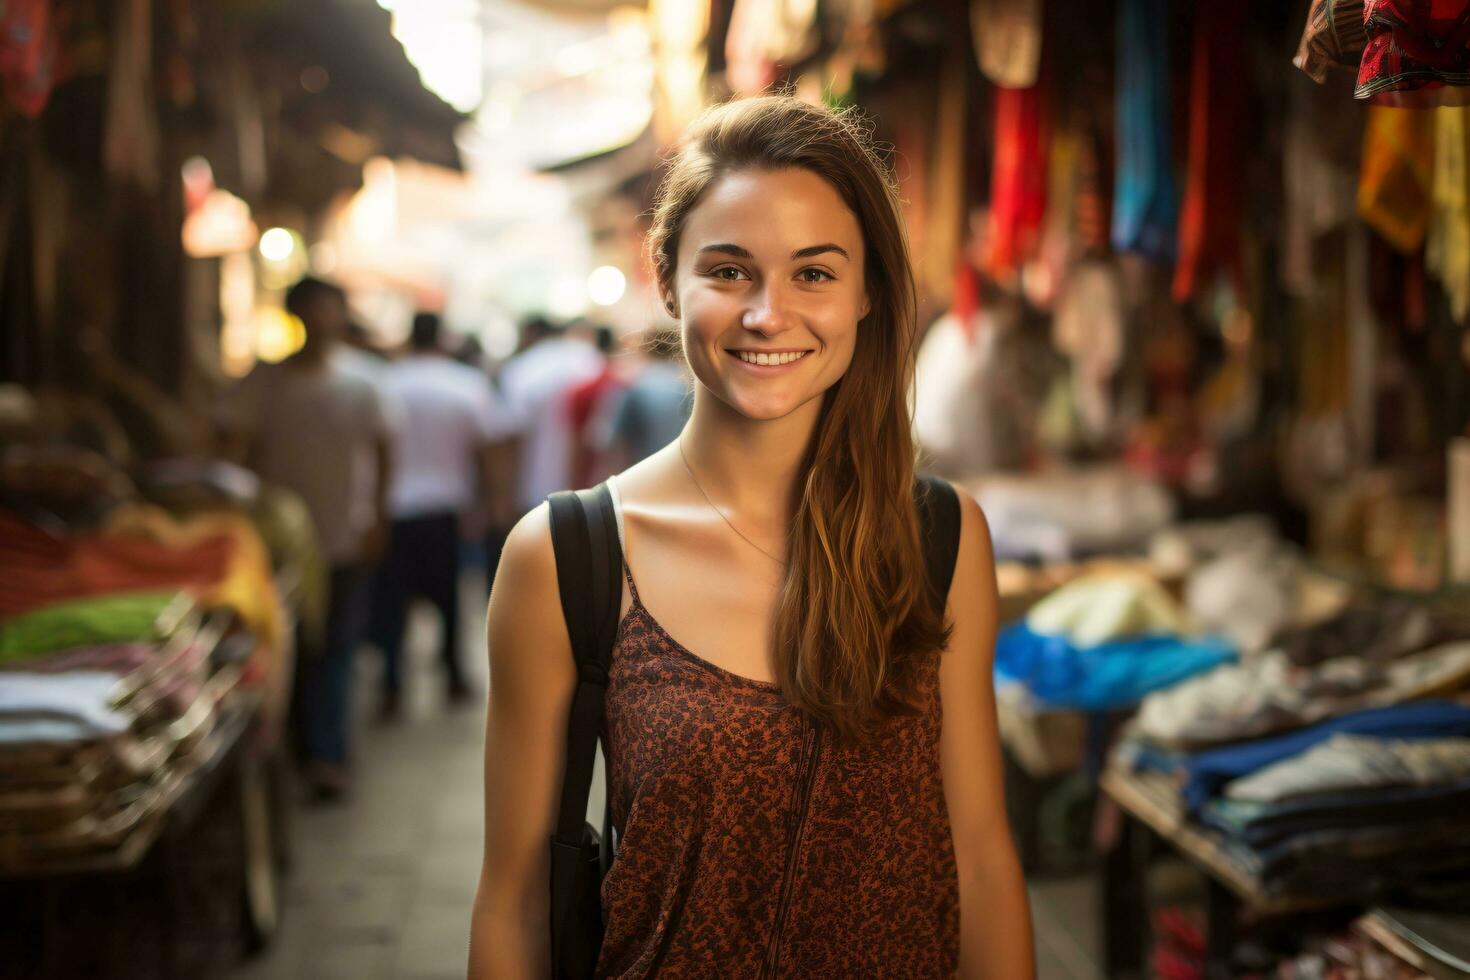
[526, 631]
[972, 593]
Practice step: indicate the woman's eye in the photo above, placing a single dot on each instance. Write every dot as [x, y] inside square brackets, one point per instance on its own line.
[720, 273]
[815, 275]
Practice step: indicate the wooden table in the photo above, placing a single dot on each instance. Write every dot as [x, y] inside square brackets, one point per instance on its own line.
[1153, 812]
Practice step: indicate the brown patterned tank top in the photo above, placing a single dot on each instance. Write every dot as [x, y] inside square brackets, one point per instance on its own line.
[750, 844]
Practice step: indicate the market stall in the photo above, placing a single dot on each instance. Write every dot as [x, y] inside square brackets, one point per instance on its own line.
[145, 665]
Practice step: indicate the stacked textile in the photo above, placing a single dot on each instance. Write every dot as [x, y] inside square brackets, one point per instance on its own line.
[1335, 760]
[1364, 657]
[118, 649]
[1104, 641]
[96, 739]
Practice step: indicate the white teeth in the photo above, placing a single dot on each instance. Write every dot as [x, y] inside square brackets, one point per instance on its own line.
[785, 358]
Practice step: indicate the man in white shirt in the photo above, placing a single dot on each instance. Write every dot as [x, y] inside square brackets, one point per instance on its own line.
[452, 433]
[535, 383]
[315, 428]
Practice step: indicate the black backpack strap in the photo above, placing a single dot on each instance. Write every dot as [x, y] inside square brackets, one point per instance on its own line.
[939, 526]
[584, 536]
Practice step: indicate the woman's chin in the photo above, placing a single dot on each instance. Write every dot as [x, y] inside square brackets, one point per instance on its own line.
[764, 406]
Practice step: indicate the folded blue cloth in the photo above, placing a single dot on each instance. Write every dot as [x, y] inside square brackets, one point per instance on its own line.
[1106, 676]
[1207, 772]
[1261, 825]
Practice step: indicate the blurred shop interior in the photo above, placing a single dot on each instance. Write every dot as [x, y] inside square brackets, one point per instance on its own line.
[1194, 294]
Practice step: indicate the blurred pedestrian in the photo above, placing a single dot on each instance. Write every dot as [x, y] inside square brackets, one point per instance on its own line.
[586, 404]
[536, 383]
[318, 428]
[651, 412]
[449, 425]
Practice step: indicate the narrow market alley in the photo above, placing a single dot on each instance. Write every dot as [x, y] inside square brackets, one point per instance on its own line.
[1046, 422]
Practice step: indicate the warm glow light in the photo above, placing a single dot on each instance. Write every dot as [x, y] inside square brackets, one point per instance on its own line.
[219, 226]
[278, 334]
[568, 297]
[277, 244]
[605, 285]
[443, 40]
[323, 258]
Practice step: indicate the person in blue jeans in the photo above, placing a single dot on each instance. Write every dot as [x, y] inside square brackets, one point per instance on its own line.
[317, 425]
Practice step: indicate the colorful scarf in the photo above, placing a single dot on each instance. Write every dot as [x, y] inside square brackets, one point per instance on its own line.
[1417, 54]
[1333, 38]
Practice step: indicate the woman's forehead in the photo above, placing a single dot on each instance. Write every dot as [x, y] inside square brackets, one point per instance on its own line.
[777, 210]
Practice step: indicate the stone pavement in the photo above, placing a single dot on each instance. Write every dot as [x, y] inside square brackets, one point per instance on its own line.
[382, 886]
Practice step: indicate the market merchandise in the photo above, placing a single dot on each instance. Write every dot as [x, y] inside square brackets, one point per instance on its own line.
[1204, 773]
[1346, 762]
[1267, 694]
[81, 622]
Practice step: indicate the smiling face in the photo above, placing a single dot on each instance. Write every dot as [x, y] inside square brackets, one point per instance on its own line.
[769, 286]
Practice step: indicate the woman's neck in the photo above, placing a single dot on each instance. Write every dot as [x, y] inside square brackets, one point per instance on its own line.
[749, 467]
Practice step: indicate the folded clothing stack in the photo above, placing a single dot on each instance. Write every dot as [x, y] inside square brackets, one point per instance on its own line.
[106, 703]
[1367, 804]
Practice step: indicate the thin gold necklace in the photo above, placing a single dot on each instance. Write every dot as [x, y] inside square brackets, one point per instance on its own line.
[717, 510]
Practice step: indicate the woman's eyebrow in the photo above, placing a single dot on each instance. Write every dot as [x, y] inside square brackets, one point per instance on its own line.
[726, 248]
[810, 250]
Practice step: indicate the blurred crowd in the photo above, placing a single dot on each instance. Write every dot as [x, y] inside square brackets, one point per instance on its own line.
[415, 463]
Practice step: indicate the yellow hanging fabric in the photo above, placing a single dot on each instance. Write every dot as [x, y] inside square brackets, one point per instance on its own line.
[1447, 254]
[1394, 186]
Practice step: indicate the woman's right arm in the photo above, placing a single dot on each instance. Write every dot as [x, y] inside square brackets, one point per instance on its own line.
[532, 679]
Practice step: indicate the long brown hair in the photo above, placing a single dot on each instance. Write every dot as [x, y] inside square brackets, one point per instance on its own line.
[854, 621]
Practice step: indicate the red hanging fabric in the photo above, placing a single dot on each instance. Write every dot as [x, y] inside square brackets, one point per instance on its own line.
[1209, 222]
[966, 299]
[28, 58]
[1018, 179]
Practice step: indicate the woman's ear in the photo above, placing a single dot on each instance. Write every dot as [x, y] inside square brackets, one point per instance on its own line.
[867, 307]
[671, 306]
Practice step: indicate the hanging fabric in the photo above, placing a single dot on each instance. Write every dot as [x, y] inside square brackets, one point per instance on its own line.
[1145, 197]
[1394, 186]
[28, 55]
[763, 35]
[131, 140]
[1333, 38]
[946, 227]
[1007, 38]
[1058, 236]
[1093, 201]
[1417, 53]
[1447, 252]
[1320, 148]
[1209, 223]
[965, 296]
[1018, 180]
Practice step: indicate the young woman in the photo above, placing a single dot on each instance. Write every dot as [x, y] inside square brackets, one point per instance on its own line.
[787, 800]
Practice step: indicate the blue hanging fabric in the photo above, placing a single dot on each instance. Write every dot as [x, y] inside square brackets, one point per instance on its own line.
[1146, 200]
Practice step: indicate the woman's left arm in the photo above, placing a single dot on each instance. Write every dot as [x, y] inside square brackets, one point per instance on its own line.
[995, 917]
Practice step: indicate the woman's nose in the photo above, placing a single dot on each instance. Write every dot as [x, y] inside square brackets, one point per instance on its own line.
[768, 313]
